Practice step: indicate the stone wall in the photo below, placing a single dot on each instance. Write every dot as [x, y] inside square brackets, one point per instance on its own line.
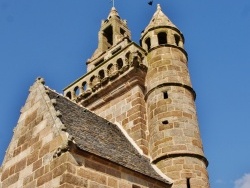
[41, 154]
[129, 111]
[37, 137]
[183, 168]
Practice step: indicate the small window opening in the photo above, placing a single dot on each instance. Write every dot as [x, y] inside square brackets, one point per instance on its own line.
[122, 31]
[119, 63]
[162, 38]
[165, 95]
[84, 86]
[101, 74]
[108, 33]
[77, 91]
[177, 39]
[127, 55]
[99, 62]
[148, 43]
[69, 95]
[188, 183]
[165, 122]
[92, 81]
[110, 69]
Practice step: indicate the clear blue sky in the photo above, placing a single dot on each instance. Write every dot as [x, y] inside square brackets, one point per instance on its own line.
[54, 38]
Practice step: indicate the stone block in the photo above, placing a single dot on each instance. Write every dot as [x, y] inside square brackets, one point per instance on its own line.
[20, 165]
[73, 180]
[44, 179]
[112, 182]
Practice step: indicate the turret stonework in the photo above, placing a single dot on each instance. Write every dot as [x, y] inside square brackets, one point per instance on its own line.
[174, 139]
[146, 89]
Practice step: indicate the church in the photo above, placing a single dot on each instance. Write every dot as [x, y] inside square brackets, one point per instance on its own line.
[129, 122]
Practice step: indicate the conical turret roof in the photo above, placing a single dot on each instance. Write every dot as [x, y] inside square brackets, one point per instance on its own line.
[159, 19]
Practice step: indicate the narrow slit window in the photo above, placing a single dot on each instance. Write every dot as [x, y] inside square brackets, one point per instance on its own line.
[188, 183]
[165, 122]
[165, 95]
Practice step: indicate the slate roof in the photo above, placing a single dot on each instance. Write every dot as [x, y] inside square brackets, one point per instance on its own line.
[100, 137]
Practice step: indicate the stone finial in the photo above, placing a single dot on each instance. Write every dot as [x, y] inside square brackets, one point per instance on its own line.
[113, 12]
[158, 7]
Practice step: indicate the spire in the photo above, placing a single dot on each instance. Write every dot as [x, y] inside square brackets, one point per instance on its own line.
[159, 19]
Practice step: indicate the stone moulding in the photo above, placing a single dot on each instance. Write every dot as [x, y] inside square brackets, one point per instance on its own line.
[135, 76]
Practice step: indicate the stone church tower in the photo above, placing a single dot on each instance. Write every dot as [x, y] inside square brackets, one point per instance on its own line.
[147, 89]
[129, 122]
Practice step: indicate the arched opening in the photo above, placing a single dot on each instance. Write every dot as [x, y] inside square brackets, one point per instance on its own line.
[119, 63]
[127, 55]
[84, 86]
[162, 38]
[108, 34]
[101, 74]
[148, 43]
[69, 95]
[110, 69]
[92, 81]
[177, 39]
[77, 91]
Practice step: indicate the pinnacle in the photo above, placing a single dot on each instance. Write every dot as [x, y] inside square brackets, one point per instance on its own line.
[113, 12]
[158, 7]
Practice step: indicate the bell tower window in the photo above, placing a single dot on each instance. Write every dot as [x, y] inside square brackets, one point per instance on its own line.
[108, 34]
[162, 38]
[177, 39]
[122, 31]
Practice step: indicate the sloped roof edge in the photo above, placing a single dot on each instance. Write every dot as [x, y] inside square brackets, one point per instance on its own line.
[98, 136]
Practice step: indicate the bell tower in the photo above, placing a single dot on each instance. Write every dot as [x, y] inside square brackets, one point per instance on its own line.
[146, 89]
[113, 86]
[174, 139]
[113, 31]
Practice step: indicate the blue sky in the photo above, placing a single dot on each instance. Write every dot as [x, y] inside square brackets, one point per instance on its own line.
[54, 38]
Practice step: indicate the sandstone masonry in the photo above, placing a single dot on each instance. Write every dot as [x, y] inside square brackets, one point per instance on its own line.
[129, 122]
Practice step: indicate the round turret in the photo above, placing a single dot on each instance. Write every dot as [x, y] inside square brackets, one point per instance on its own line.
[174, 140]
